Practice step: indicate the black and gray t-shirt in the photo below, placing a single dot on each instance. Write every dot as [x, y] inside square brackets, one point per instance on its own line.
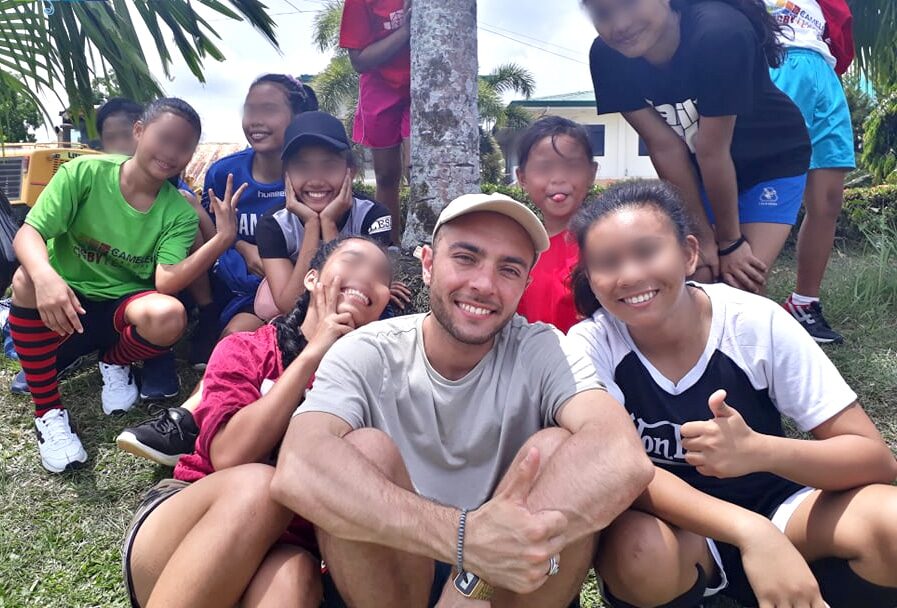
[767, 363]
[279, 233]
[719, 69]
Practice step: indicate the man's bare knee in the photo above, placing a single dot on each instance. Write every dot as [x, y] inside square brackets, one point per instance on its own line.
[632, 547]
[383, 453]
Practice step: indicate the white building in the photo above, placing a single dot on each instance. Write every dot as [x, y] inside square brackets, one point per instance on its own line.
[619, 151]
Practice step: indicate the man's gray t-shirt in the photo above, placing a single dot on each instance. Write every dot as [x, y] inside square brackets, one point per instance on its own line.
[457, 437]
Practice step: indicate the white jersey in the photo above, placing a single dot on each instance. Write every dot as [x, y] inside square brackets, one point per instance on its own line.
[768, 364]
[804, 25]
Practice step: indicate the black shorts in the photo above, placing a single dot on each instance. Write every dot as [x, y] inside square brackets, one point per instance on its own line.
[103, 321]
[442, 573]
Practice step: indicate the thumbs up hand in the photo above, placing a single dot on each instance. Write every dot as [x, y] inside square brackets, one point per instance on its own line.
[724, 446]
[506, 544]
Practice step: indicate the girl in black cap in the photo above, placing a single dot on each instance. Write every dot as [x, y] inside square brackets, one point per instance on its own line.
[320, 206]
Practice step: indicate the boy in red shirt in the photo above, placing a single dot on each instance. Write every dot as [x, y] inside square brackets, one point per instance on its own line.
[377, 34]
[557, 170]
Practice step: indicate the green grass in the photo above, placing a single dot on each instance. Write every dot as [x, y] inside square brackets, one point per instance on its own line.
[60, 534]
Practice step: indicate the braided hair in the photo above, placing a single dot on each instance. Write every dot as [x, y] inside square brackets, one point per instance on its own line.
[300, 97]
[290, 339]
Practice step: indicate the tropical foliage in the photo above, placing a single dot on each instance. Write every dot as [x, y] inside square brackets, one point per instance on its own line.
[19, 116]
[880, 140]
[875, 34]
[61, 47]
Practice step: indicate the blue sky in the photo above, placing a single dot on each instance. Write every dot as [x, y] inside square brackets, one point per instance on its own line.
[509, 31]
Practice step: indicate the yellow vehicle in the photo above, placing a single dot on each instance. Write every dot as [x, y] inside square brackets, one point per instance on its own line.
[26, 169]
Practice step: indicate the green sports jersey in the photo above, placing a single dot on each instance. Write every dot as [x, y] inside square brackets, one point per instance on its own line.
[98, 243]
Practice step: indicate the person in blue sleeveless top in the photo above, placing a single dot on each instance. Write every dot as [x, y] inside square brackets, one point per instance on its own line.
[707, 373]
[271, 103]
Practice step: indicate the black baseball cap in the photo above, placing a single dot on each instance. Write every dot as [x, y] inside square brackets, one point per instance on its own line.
[314, 128]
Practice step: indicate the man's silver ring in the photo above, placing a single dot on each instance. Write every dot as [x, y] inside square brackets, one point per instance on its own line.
[554, 565]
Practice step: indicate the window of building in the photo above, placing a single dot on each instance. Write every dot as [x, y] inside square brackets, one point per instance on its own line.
[596, 138]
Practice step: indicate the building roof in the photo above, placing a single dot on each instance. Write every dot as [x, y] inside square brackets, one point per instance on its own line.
[580, 99]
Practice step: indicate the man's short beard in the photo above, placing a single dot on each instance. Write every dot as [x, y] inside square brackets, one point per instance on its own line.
[442, 316]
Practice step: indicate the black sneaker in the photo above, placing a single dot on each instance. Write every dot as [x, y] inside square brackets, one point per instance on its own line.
[163, 439]
[204, 338]
[810, 317]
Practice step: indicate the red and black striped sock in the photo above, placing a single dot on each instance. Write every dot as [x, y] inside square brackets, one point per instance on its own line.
[36, 345]
[132, 347]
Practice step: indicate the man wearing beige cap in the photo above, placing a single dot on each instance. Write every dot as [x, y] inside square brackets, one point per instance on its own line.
[462, 457]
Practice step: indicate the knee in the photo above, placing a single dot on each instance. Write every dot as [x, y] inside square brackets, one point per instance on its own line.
[162, 320]
[383, 453]
[22, 288]
[633, 546]
[826, 204]
[254, 501]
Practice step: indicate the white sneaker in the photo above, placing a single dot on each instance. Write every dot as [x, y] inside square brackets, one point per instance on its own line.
[119, 389]
[60, 448]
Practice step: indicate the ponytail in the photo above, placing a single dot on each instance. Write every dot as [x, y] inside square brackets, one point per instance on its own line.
[769, 31]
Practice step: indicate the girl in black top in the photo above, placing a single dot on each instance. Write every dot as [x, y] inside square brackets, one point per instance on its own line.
[691, 76]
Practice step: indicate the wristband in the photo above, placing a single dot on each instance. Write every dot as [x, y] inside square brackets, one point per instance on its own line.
[459, 555]
[731, 248]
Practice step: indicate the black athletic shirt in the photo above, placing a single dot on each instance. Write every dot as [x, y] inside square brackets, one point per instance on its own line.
[768, 364]
[719, 69]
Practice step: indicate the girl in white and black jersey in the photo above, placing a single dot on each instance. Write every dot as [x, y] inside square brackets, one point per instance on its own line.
[707, 372]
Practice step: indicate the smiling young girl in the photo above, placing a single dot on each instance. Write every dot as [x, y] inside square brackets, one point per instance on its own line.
[320, 207]
[692, 78]
[272, 102]
[103, 252]
[218, 506]
[707, 373]
[557, 171]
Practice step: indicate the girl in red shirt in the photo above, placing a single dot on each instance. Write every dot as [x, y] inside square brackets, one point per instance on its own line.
[215, 524]
[557, 170]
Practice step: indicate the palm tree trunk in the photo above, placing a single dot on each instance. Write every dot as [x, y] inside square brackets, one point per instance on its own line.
[444, 121]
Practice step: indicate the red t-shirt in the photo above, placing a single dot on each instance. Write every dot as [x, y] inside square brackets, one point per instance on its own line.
[242, 368]
[549, 298]
[367, 21]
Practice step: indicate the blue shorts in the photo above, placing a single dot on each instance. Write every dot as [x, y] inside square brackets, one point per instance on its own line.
[776, 201]
[814, 87]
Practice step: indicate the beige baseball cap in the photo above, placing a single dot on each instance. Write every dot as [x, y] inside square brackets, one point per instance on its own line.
[496, 203]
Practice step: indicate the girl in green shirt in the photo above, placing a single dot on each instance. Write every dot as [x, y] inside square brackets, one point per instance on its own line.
[103, 252]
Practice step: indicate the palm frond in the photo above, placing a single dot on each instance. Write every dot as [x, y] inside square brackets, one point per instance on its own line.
[337, 85]
[875, 34]
[517, 117]
[327, 24]
[26, 51]
[489, 103]
[512, 77]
